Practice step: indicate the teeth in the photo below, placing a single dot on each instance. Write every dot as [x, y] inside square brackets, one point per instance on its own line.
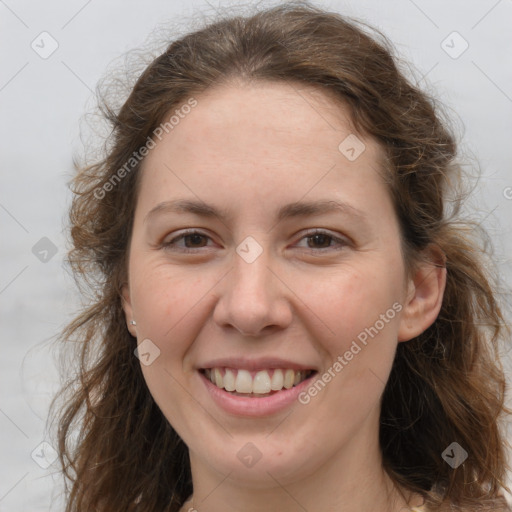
[277, 380]
[289, 378]
[261, 383]
[242, 381]
[229, 380]
[218, 378]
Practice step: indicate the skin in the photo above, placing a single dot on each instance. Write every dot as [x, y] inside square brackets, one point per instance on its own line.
[252, 149]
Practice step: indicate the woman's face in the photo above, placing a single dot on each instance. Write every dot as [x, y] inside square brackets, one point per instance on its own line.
[255, 298]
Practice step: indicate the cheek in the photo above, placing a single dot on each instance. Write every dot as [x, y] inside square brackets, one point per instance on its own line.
[163, 298]
[361, 310]
[162, 303]
[169, 304]
[352, 303]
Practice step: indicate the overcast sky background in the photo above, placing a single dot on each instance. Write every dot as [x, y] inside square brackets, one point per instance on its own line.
[43, 96]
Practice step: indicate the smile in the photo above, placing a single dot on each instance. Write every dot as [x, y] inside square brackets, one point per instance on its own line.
[261, 383]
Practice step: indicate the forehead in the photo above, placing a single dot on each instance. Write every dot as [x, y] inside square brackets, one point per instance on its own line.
[262, 140]
[282, 117]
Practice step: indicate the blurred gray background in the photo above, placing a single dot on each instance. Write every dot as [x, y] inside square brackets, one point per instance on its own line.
[54, 53]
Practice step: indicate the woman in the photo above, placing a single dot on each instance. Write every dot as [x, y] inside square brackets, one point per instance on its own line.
[288, 317]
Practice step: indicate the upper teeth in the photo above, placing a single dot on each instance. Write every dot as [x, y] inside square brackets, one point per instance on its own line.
[263, 381]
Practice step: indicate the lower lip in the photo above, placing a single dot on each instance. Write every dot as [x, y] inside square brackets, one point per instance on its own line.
[247, 406]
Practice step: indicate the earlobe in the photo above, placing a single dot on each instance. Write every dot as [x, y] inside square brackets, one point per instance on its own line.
[424, 298]
[128, 311]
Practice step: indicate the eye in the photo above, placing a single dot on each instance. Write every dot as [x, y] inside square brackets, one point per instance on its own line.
[317, 241]
[318, 237]
[195, 241]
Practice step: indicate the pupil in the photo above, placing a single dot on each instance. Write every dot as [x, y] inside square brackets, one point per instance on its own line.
[195, 238]
[321, 236]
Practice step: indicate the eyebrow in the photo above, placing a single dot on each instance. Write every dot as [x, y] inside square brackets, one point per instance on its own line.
[295, 209]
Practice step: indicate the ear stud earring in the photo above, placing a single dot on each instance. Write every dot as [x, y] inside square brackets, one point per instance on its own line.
[133, 322]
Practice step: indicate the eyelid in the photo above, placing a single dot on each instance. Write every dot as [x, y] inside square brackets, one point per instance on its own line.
[190, 231]
[340, 239]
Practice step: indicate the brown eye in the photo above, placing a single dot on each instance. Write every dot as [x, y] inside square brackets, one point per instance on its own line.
[195, 239]
[322, 240]
[192, 240]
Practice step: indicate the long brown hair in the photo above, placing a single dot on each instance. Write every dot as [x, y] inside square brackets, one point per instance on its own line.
[117, 450]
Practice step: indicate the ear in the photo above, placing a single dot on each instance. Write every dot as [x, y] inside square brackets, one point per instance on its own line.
[424, 296]
[128, 310]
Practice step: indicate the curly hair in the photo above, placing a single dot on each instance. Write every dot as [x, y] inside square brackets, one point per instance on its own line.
[117, 450]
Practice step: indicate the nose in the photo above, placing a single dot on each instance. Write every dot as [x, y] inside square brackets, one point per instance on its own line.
[254, 298]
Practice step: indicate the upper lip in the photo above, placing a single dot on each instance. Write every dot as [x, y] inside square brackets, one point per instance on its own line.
[263, 363]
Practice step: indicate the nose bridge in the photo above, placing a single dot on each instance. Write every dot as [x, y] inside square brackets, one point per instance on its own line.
[251, 277]
[252, 297]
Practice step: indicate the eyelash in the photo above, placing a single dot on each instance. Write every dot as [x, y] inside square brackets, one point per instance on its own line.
[171, 244]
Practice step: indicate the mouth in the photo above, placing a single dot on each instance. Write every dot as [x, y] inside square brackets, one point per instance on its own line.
[255, 384]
